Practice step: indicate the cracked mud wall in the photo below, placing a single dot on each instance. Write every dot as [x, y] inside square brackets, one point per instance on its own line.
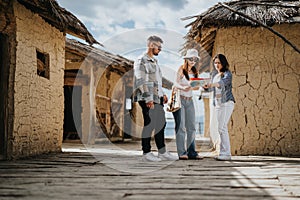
[39, 102]
[266, 79]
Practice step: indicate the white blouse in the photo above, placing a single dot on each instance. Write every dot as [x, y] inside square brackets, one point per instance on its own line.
[184, 83]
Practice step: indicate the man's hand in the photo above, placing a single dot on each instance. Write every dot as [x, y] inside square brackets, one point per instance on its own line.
[165, 99]
[150, 105]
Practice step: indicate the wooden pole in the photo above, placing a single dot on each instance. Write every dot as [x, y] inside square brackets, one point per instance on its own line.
[263, 25]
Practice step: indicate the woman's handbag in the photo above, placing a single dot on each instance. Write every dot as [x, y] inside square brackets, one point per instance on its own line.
[174, 102]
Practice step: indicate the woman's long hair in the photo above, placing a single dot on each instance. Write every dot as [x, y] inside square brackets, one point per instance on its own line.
[186, 72]
[224, 62]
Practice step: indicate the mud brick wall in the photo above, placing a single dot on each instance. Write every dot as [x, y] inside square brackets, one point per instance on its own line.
[266, 79]
[39, 102]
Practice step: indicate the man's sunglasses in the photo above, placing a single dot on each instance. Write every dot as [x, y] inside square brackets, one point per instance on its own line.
[158, 46]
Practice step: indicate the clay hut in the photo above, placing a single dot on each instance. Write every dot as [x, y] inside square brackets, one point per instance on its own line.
[32, 51]
[261, 40]
[98, 85]
[97, 77]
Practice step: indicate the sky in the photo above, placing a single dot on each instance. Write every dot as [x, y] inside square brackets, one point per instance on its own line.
[106, 18]
[123, 26]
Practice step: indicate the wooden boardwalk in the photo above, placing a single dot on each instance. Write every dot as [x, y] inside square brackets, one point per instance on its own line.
[106, 171]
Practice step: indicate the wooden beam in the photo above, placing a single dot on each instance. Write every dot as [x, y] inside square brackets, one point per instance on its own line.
[80, 80]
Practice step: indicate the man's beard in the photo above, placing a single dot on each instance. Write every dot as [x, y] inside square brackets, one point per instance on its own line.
[154, 53]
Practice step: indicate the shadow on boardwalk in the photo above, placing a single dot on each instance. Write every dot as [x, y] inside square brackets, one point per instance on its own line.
[106, 171]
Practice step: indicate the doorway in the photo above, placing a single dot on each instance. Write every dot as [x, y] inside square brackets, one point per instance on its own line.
[72, 112]
[4, 69]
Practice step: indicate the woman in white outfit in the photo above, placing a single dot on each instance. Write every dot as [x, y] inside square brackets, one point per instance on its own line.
[223, 102]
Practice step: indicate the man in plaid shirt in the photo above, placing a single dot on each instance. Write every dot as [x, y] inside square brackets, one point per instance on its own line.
[150, 96]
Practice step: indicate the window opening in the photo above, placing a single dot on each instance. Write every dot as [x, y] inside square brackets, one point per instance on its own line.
[43, 69]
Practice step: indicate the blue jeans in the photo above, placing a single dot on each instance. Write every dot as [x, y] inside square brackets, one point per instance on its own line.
[185, 126]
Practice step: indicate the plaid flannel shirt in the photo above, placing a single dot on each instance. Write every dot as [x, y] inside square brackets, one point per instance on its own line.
[146, 87]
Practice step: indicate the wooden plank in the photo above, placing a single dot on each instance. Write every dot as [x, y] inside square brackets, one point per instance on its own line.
[109, 174]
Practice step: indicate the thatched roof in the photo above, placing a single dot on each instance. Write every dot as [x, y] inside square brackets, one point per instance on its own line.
[269, 12]
[60, 18]
[121, 65]
[112, 62]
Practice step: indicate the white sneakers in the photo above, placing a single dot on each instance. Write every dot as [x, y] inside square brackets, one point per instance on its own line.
[167, 156]
[150, 157]
[223, 158]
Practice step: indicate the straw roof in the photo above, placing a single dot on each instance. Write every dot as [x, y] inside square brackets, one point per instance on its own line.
[73, 47]
[60, 18]
[269, 12]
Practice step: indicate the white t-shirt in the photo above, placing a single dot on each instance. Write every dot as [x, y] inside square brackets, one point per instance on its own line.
[184, 82]
[218, 96]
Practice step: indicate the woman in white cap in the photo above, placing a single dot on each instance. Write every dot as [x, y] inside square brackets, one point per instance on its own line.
[185, 123]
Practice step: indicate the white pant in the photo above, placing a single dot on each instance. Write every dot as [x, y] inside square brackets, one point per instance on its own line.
[223, 113]
[213, 128]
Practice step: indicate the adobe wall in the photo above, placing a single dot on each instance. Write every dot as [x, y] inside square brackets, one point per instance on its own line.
[39, 102]
[266, 78]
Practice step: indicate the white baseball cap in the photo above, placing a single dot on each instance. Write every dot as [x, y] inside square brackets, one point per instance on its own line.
[190, 53]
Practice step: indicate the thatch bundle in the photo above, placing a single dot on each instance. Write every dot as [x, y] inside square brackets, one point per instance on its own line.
[60, 18]
[270, 12]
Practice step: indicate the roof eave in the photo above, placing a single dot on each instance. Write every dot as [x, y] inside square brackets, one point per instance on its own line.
[60, 18]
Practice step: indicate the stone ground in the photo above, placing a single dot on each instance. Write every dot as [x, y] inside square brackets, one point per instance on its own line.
[116, 171]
